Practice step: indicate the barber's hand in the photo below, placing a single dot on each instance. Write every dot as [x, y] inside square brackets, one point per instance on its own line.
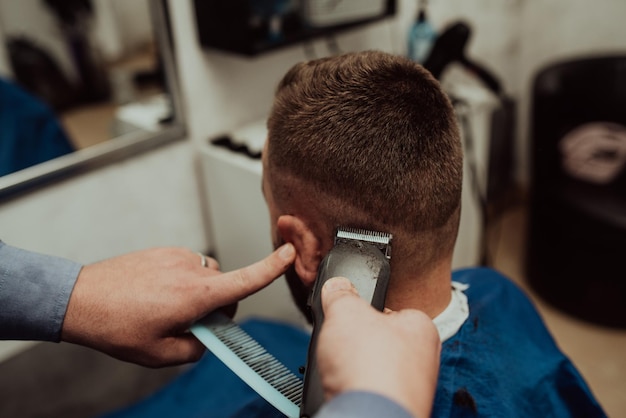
[138, 307]
[395, 354]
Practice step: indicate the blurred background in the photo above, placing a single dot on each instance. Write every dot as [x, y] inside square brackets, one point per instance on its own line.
[150, 118]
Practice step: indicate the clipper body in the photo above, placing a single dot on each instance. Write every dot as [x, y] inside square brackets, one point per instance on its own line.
[363, 257]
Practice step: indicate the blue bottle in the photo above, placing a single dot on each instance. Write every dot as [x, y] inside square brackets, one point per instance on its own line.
[422, 36]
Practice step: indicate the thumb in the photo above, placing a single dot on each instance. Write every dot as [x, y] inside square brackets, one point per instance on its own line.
[336, 289]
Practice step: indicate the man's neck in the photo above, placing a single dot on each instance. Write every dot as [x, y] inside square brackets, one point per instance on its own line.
[430, 293]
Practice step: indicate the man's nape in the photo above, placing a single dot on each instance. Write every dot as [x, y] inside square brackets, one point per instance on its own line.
[370, 140]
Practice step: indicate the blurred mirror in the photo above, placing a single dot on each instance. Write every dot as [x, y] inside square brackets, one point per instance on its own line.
[82, 82]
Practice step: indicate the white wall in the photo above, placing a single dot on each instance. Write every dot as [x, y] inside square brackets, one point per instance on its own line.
[122, 27]
[32, 19]
[145, 201]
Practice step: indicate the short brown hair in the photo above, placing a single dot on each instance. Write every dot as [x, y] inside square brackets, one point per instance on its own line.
[374, 141]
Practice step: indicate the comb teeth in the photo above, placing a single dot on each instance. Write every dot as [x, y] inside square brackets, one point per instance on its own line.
[251, 362]
[259, 360]
[381, 239]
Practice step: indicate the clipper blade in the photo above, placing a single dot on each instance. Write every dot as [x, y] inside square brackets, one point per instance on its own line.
[382, 240]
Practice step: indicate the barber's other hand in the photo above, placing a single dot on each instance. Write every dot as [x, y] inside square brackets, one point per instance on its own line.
[394, 354]
[138, 307]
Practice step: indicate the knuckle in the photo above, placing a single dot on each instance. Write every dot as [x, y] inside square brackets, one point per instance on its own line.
[242, 278]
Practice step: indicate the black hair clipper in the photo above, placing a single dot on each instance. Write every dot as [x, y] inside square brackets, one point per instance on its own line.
[363, 257]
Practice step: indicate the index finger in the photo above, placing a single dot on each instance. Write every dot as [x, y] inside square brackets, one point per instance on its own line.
[228, 288]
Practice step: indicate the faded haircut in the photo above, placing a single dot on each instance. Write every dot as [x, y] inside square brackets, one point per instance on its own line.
[370, 140]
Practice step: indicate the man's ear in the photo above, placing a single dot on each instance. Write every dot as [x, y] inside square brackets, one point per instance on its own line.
[308, 247]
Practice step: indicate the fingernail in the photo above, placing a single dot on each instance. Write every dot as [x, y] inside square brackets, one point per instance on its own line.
[286, 252]
[339, 283]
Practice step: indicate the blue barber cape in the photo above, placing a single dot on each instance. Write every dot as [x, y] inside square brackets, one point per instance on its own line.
[501, 363]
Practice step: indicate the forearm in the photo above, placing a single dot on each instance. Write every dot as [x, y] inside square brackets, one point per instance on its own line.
[34, 294]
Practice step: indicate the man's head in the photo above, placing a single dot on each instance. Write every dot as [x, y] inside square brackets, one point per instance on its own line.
[365, 140]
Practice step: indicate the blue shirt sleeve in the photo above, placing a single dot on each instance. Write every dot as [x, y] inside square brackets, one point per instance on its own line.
[34, 292]
[359, 404]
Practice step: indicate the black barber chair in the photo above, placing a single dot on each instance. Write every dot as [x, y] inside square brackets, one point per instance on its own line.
[576, 254]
